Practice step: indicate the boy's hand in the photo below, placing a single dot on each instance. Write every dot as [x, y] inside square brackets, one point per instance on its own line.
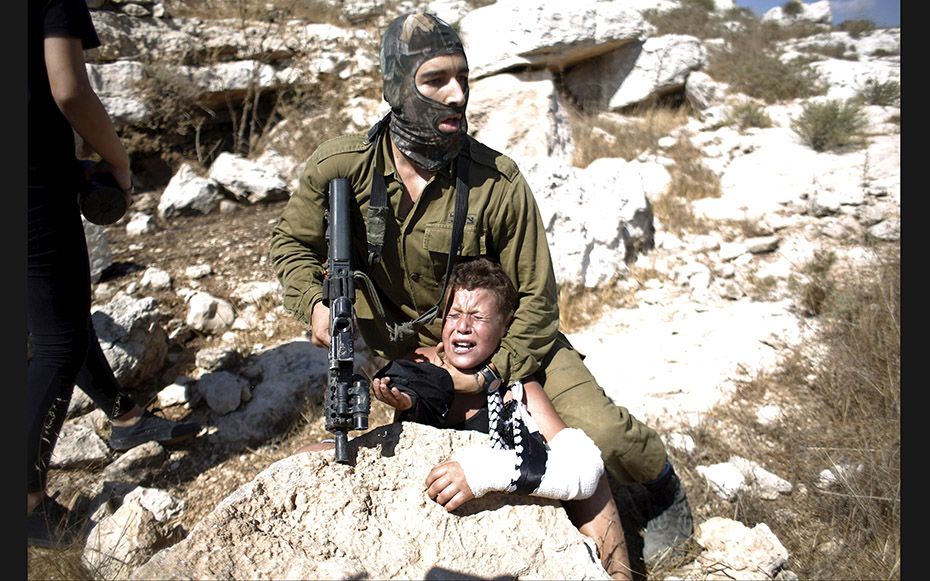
[446, 484]
[384, 392]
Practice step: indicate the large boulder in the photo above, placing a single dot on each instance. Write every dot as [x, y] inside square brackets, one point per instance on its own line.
[309, 517]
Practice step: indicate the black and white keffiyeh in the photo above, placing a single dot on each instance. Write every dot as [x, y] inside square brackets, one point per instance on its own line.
[511, 427]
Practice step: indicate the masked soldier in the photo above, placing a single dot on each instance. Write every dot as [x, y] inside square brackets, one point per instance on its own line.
[425, 192]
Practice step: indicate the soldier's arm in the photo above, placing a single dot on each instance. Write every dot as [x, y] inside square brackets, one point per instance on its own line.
[298, 247]
[523, 252]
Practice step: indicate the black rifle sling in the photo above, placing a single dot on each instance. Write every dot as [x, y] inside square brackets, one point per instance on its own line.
[405, 330]
[378, 210]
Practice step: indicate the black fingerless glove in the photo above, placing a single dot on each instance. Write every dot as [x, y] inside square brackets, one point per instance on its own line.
[429, 386]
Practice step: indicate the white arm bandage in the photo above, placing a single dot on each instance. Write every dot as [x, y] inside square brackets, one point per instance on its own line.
[573, 468]
[487, 469]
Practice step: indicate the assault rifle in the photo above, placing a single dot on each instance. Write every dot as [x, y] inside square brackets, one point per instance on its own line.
[347, 400]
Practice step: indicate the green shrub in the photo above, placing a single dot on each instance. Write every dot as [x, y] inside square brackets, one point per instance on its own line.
[748, 114]
[856, 28]
[795, 29]
[883, 52]
[883, 93]
[831, 125]
[792, 8]
[836, 50]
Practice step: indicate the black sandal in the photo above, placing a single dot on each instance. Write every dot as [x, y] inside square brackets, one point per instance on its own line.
[151, 428]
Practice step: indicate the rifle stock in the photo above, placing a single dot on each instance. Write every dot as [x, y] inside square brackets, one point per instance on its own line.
[347, 400]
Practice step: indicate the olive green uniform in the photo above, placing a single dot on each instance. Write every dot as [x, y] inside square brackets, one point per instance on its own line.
[503, 223]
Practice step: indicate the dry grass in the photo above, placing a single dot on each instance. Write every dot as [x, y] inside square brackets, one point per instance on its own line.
[57, 565]
[748, 114]
[579, 307]
[841, 407]
[187, 128]
[628, 136]
[257, 10]
[313, 116]
[691, 180]
[695, 18]
[814, 285]
[187, 125]
[749, 63]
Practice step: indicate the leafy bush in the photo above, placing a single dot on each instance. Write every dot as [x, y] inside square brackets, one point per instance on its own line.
[748, 114]
[831, 125]
[882, 93]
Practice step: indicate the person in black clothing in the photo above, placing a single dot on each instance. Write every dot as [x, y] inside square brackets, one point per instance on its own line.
[65, 350]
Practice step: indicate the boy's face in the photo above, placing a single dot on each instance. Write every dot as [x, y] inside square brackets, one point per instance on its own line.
[473, 328]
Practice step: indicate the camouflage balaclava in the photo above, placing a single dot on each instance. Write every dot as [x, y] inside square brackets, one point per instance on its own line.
[409, 41]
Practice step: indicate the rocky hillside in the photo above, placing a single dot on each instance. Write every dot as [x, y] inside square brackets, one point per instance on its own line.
[680, 263]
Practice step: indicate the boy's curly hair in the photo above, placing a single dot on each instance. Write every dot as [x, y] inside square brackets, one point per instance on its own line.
[484, 273]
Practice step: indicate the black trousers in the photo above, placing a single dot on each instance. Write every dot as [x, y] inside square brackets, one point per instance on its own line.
[65, 350]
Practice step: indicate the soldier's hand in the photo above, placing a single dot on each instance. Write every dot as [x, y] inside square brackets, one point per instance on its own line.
[424, 355]
[319, 325]
[463, 381]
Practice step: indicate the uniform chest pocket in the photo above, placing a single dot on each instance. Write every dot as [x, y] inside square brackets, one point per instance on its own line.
[438, 238]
